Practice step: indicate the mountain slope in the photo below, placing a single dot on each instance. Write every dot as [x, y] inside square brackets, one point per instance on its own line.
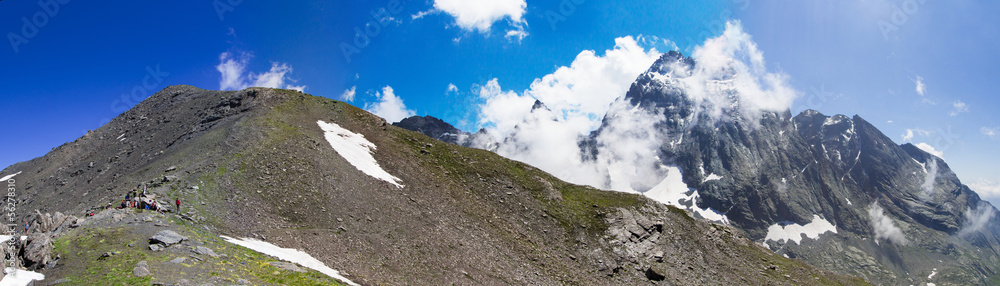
[257, 163]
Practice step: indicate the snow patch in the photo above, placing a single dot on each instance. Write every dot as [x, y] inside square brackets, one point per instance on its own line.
[7, 177]
[17, 277]
[794, 232]
[288, 254]
[933, 272]
[673, 191]
[712, 177]
[356, 150]
[849, 202]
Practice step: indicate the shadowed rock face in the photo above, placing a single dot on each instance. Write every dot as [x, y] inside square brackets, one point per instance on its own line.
[255, 163]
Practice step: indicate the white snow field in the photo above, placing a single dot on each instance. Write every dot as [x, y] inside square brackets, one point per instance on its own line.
[671, 191]
[7, 177]
[356, 150]
[17, 277]
[794, 232]
[288, 254]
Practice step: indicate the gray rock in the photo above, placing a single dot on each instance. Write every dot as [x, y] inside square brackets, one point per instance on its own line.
[38, 250]
[179, 260]
[205, 251]
[155, 247]
[167, 238]
[286, 266]
[141, 269]
[171, 169]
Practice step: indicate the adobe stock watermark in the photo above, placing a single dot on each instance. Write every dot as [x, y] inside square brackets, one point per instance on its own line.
[378, 20]
[900, 15]
[818, 97]
[10, 208]
[31, 27]
[566, 8]
[225, 6]
[153, 79]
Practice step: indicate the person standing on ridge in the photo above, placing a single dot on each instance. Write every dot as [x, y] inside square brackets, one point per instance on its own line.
[178, 202]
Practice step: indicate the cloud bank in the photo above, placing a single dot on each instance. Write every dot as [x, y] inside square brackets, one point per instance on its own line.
[389, 106]
[986, 188]
[977, 219]
[884, 227]
[234, 75]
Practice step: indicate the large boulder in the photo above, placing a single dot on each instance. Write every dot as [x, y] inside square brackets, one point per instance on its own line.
[38, 250]
[167, 238]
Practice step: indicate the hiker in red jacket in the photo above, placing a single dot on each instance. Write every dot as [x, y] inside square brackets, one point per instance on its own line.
[178, 202]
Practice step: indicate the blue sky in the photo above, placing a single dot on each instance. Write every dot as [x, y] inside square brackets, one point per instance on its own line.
[88, 62]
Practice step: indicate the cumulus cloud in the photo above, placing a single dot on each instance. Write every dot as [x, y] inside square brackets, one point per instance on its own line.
[958, 107]
[884, 227]
[579, 98]
[910, 133]
[986, 188]
[452, 88]
[348, 94]
[976, 219]
[731, 65]
[990, 132]
[480, 15]
[234, 75]
[921, 88]
[930, 149]
[389, 106]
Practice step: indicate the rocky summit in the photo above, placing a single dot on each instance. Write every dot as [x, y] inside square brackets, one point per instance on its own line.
[277, 187]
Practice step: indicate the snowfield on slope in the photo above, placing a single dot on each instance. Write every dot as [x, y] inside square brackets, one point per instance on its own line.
[794, 232]
[17, 277]
[288, 254]
[673, 191]
[356, 150]
[7, 177]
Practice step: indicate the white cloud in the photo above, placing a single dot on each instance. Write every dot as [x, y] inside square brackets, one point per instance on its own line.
[480, 15]
[452, 88]
[976, 219]
[986, 188]
[921, 88]
[580, 94]
[389, 106]
[930, 149]
[348, 94]
[990, 132]
[234, 75]
[421, 14]
[958, 107]
[910, 133]
[884, 227]
[518, 34]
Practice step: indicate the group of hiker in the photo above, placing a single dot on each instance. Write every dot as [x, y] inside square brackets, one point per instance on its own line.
[142, 200]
